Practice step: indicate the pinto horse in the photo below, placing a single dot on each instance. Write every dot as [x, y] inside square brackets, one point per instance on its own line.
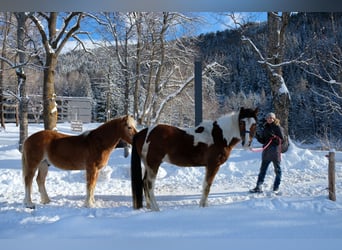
[89, 150]
[209, 144]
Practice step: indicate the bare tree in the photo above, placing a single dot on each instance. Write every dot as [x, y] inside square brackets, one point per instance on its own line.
[328, 68]
[149, 61]
[23, 100]
[53, 40]
[273, 61]
[149, 56]
[18, 59]
[277, 24]
[4, 30]
[166, 64]
[119, 33]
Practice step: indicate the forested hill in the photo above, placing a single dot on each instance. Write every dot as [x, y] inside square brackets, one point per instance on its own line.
[314, 40]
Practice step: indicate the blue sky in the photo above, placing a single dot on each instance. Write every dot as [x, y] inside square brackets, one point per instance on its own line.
[212, 22]
[217, 21]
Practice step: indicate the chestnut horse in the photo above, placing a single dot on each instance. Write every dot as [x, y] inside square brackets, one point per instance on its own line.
[209, 144]
[89, 150]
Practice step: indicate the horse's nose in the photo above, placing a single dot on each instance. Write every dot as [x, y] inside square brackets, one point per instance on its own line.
[246, 145]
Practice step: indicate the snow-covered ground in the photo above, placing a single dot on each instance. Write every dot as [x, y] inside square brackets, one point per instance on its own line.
[302, 217]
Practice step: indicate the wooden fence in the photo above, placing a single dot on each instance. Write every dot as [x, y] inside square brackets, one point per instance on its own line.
[331, 175]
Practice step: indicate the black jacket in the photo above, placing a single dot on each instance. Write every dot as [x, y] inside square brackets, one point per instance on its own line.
[271, 134]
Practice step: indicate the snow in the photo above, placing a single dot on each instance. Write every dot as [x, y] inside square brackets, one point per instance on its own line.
[302, 217]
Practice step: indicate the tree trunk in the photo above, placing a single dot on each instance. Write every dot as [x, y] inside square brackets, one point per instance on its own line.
[5, 32]
[136, 94]
[49, 96]
[276, 47]
[23, 100]
[54, 42]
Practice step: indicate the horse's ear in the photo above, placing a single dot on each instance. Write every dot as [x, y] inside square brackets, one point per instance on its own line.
[125, 118]
[256, 111]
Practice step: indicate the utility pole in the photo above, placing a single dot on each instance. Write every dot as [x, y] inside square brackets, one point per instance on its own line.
[198, 91]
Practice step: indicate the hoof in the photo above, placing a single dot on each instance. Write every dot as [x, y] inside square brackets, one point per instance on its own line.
[89, 204]
[45, 201]
[30, 206]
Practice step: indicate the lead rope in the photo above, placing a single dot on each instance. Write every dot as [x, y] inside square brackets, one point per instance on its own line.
[263, 148]
[268, 144]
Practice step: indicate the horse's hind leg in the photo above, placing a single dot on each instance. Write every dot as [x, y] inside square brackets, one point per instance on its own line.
[28, 189]
[149, 183]
[41, 177]
[29, 171]
[146, 192]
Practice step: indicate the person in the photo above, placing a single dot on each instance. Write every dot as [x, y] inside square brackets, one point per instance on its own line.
[271, 138]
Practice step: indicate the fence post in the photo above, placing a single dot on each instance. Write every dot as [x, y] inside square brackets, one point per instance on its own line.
[331, 175]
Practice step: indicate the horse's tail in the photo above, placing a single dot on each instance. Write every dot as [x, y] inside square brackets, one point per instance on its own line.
[136, 177]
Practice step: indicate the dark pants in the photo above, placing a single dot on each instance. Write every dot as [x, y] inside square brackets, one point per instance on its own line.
[263, 170]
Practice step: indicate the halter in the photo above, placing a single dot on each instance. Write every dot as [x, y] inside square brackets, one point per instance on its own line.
[244, 132]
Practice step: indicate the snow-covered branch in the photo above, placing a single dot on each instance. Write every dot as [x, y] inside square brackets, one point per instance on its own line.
[319, 76]
[69, 33]
[331, 104]
[41, 30]
[247, 39]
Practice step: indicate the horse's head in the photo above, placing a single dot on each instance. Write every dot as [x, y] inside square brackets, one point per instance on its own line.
[247, 125]
[129, 128]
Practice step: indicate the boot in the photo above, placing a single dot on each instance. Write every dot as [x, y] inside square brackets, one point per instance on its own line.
[276, 190]
[257, 189]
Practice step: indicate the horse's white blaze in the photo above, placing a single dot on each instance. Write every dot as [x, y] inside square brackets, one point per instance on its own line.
[248, 124]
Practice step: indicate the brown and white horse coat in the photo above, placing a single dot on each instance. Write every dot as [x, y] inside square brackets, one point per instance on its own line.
[209, 144]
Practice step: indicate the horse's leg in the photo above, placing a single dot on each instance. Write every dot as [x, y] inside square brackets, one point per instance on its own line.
[146, 192]
[29, 170]
[92, 175]
[149, 183]
[211, 171]
[43, 169]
